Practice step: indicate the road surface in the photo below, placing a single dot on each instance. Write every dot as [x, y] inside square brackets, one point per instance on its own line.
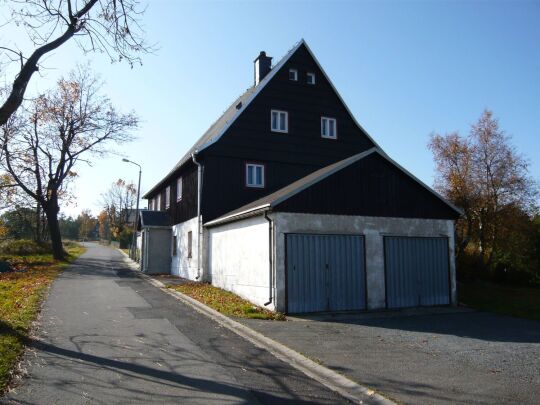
[108, 336]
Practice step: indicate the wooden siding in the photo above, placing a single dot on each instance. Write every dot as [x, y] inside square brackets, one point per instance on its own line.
[180, 211]
[371, 187]
[250, 135]
[227, 175]
[287, 156]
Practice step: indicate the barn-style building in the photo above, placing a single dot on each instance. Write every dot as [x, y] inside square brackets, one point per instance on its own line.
[288, 202]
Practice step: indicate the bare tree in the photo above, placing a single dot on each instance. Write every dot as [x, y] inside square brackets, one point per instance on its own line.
[106, 26]
[119, 201]
[63, 127]
[486, 176]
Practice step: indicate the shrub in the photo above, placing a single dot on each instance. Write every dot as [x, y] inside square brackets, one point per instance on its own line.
[23, 247]
[125, 238]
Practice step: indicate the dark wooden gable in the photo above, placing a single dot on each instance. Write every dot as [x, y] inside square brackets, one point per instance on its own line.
[287, 156]
[371, 187]
[250, 135]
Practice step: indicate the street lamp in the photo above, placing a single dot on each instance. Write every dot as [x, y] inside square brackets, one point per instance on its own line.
[134, 241]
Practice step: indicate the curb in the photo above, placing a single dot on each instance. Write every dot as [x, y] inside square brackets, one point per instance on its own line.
[336, 382]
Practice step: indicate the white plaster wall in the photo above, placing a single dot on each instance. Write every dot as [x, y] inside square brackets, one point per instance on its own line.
[238, 259]
[373, 229]
[181, 264]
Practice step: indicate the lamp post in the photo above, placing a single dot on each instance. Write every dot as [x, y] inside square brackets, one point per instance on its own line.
[134, 241]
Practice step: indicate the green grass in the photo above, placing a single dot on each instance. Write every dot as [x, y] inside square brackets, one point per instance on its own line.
[520, 302]
[21, 293]
[225, 302]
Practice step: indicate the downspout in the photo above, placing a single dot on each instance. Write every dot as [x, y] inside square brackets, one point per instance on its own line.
[199, 221]
[270, 255]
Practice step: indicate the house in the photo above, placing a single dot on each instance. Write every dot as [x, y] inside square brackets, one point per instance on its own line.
[289, 203]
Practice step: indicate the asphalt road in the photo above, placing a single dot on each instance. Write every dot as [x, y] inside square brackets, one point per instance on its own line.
[107, 336]
[427, 356]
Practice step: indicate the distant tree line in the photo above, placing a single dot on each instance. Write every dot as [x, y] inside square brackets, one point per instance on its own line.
[498, 235]
[22, 223]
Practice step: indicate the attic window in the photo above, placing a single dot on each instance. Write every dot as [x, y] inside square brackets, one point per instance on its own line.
[328, 128]
[167, 197]
[279, 121]
[293, 75]
[158, 202]
[311, 78]
[254, 175]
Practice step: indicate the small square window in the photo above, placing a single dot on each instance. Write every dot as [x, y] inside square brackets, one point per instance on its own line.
[279, 121]
[167, 197]
[311, 78]
[254, 175]
[179, 189]
[293, 75]
[190, 244]
[328, 128]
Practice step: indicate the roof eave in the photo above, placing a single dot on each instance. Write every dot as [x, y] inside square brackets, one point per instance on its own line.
[238, 216]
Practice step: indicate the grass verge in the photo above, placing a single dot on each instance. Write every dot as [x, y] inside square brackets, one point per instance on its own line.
[225, 302]
[522, 302]
[21, 293]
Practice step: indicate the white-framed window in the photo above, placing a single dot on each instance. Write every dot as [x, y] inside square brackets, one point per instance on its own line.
[310, 78]
[190, 244]
[328, 128]
[179, 189]
[254, 175]
[174, 245]
[158, 202]
[279, 121]
[293, 75]
[167, 197]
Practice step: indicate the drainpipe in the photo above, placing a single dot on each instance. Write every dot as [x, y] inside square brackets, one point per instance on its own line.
[270, 255]
[199, 224]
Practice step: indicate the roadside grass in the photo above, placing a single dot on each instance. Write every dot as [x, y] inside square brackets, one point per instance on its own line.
[21, 294]
[225, 302]
[522, 302]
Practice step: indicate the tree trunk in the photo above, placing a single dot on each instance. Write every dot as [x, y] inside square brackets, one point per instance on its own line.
[38, 223]
[51, 211]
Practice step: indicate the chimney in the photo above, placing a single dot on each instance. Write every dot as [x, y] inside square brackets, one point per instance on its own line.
[263, 64]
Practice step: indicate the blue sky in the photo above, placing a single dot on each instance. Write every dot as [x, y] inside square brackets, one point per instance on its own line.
[405, 69]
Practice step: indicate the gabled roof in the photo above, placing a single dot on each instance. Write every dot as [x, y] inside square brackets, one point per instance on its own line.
[218, 128]
[277, 197]
[154, 219]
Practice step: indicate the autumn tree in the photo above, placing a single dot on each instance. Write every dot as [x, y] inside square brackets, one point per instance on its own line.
[104, 228]
[87, 224]
[105, 26]
[485, 175]
[62, 128]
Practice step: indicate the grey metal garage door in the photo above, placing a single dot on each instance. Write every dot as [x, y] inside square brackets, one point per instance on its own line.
[325, 272]
[417, 271]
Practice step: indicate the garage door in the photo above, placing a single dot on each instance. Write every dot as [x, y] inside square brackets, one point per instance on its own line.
[325, 272]
[417, 271]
